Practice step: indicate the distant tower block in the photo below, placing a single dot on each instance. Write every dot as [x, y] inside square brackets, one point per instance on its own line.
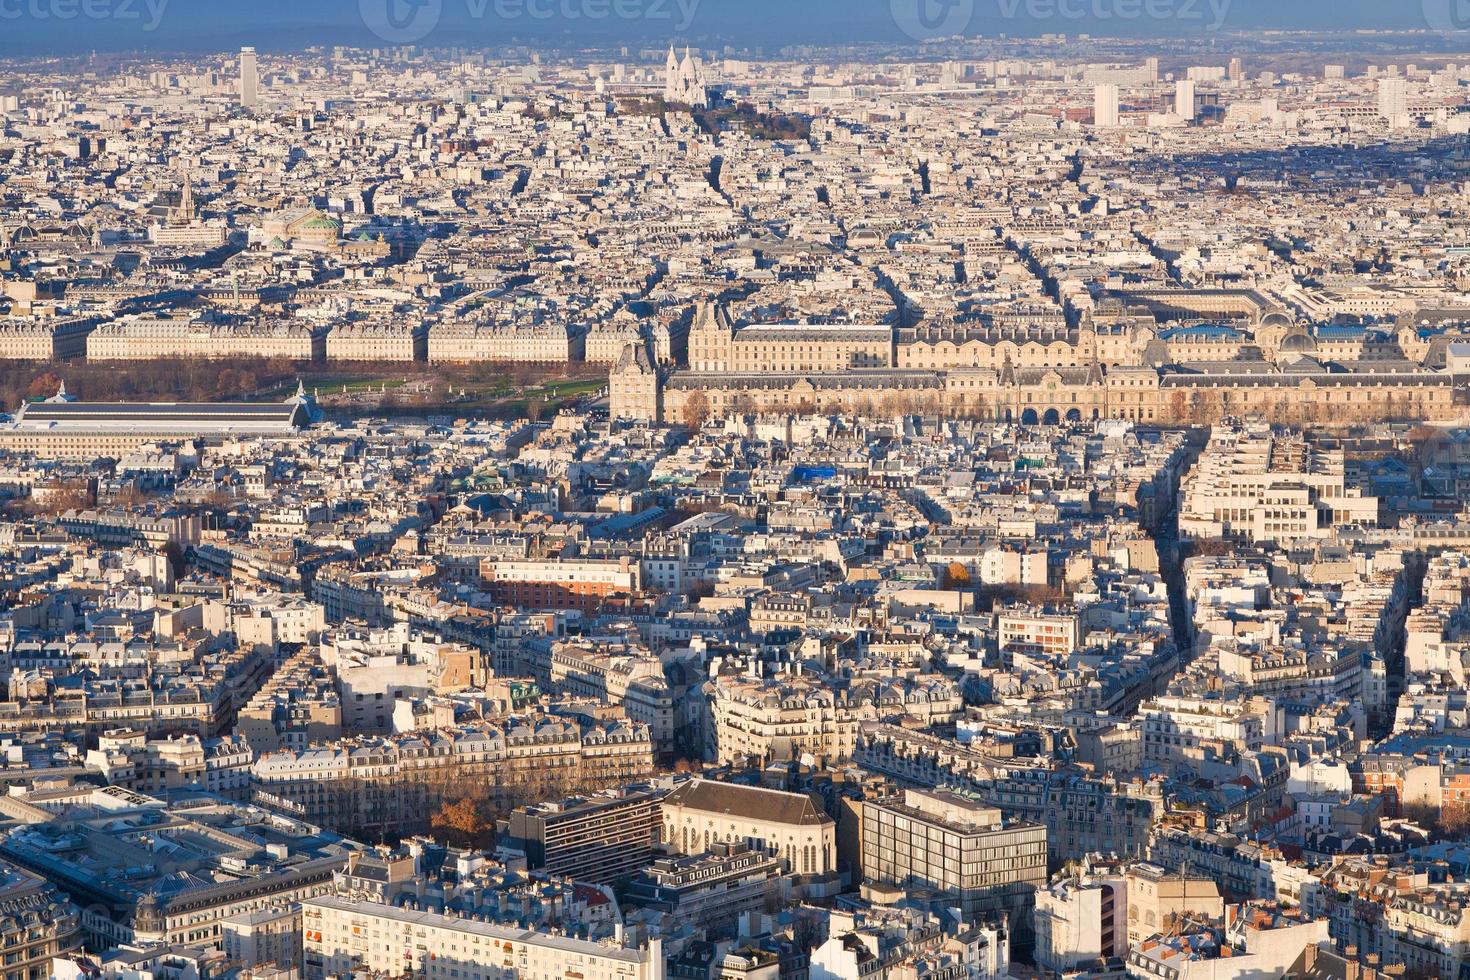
[1393, 100]
[1184, 98]
[1105, 107]
[249, 79]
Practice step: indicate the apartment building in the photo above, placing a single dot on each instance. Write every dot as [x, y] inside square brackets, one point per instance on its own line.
[599, 839]
[1079, 922]
[1260, 486]
[268, 937]
[1428, 930]
[343, 936]
[45, 339]
[1038, 632]
[709, 891]
[393, 784]
[1176, 727]
[375, 340]
[579, 584]
[1257, 942]
[943, 842]
[154, 336]
[1156, 895]
[630, 678]
[39, 924]
[297, 706]
[801, 711]
[542, 343]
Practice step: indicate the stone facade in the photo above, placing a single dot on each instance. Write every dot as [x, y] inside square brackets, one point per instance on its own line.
[634, 388]
[44, 340]
[377, 341]
[151, 337]
[1052, 378]
[544, 343]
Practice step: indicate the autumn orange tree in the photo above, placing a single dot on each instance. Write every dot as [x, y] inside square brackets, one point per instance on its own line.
[43, 385]
[956, 576]
[463, 824]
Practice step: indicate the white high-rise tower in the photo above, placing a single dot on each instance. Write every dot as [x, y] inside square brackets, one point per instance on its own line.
[1184, 98]
[249, 78]
[1393, 100]
[1105, 106]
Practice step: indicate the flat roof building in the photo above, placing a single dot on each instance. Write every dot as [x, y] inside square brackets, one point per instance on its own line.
[945, 842]
[596, 839]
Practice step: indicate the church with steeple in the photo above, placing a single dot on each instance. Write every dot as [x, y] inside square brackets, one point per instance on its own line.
[684, 81]
[178, 223]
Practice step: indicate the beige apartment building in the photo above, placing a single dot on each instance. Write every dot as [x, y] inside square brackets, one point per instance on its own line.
[299, 705]
[151, 337]
[756, 720]
[342, 937]
[633, 680]
[1261, 486]
[1154, 895]
[265, 937]
[1429, 930]
[1035, 631]
[378, 340]
[1177, 728]
[605, 343]
[394, 784]
[542, 343]
[39, 924]
[45, 338]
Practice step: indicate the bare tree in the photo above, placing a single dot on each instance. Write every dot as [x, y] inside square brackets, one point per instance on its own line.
[696, 410]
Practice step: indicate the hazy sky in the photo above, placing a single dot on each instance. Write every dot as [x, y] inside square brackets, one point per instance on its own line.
[69, 26]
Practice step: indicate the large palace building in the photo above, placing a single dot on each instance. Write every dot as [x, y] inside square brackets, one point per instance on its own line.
[1112, 366]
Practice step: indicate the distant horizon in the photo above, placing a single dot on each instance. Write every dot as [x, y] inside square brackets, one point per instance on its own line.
[61, 28]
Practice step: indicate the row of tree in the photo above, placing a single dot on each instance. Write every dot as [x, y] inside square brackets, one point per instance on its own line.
[222, 379]
[1185, 408]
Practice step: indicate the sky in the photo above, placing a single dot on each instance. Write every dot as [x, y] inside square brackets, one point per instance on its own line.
[41, 27]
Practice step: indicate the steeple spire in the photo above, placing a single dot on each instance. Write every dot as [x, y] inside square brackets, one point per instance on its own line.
[185, 213]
